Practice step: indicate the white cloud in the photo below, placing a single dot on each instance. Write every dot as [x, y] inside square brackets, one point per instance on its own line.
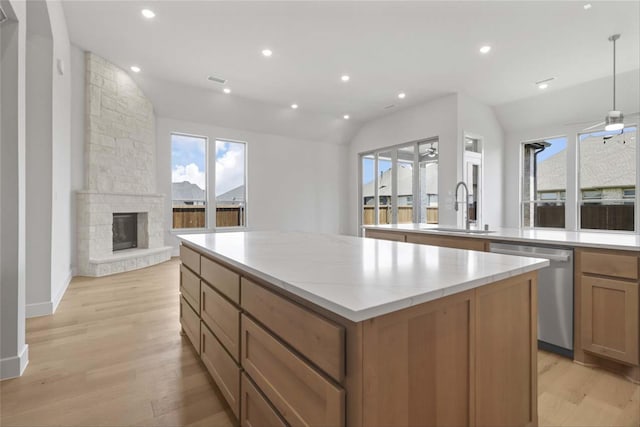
[190, 173]
[229, 167]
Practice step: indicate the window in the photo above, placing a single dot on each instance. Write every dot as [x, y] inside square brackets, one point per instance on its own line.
[607, 179]
[189, 181]
[205, 174]
[400, 184]
[544, 179]
[230, 184]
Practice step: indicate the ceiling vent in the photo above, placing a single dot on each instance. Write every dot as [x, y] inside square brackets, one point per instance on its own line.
[217, 79]
[389, 106]
[3, 16]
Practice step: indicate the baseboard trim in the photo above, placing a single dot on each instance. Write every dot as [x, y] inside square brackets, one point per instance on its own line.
[38, 309]
[48, 307]
[13, 367]
[57, 298]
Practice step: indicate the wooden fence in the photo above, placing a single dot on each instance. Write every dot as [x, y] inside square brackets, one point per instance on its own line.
[405, 215]
[194, 216]
[592, 217]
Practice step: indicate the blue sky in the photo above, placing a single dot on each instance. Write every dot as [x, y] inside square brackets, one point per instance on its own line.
[368, 168]
[557, 145]
[188, 162]
[186, 150]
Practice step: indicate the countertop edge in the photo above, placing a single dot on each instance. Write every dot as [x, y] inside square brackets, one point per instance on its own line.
[498, 237]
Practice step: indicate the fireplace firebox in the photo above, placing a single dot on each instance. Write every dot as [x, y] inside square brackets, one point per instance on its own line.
[125, 231]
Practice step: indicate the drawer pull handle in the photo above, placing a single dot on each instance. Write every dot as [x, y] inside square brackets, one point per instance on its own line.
[204, 301]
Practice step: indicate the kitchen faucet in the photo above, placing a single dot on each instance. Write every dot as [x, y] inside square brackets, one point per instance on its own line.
[455, 205]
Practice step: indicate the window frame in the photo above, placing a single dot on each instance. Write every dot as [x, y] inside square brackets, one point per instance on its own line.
[210, 190]
[416, 199]
[558, 201]
[572, 199]
[580, 201]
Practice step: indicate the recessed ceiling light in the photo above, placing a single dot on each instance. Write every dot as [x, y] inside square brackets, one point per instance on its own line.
[267, 52]
[587, 6]
[485, 49]
[148, 13]
[345, 78]
[294, 106]
[226, 90]
[346, 117]
[543, 85]
[402, 95]
[135, 68]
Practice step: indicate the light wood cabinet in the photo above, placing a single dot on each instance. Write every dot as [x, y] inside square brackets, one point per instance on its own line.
[223, 318]
[448, 241]
[222, 368]
[466, 359]
[255, 410]
[302, 395]
[396, 236]
[318, 339]
[190, 258]
[190, 287]
[606, 311]
[226, 281]
[610, 318]
[190, 322]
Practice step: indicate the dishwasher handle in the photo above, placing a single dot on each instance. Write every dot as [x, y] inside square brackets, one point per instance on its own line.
[550, 257]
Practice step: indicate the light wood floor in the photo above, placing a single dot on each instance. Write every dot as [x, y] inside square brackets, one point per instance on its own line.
[112, 355]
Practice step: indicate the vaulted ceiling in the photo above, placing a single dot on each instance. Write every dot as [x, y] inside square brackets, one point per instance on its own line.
[424, 49]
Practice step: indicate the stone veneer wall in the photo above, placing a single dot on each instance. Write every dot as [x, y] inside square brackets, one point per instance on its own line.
[119, 171]
[120, 131]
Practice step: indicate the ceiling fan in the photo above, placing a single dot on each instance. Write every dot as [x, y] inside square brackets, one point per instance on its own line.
[614, 120]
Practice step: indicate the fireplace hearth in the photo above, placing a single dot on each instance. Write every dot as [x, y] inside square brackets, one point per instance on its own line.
[125, 231]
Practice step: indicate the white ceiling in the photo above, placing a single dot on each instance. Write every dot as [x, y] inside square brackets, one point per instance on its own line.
[426, 49]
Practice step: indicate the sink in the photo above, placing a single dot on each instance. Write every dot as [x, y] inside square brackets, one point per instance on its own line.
[457, 230]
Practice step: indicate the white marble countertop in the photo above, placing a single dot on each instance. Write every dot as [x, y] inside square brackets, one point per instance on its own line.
[354, 277]
[588, 239]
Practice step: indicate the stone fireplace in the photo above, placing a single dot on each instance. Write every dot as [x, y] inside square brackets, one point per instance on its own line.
[119, 176]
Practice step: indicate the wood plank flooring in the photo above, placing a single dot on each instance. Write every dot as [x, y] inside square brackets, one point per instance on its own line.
[112, 355]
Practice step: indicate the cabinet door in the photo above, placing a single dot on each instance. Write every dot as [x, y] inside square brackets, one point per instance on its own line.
[610, 318]
[256, 411]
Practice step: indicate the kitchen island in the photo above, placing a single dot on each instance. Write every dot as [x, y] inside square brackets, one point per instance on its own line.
[310, 329]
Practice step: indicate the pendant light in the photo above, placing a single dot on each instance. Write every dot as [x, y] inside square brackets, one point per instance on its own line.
[614, 120]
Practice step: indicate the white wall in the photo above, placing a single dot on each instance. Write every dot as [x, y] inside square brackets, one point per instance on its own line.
[559, 113]
[14, 352]
[47, 158]
[293, 184]
[77, 71]
[61, 142]
[480, 120]
[38, 164]
[435, 118]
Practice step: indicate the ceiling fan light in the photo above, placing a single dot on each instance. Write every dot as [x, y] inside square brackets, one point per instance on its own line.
[614, 121]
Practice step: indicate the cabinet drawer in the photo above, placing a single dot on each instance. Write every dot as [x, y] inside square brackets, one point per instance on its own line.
[190, 258]
[448, 242]
[385, 235]
[190, 323]
[319, 340]
[302, 395]
[190, 287]
[607, 264]
[610, 318]
[224, 280]
[222, 368]
[256, 411]
[223, 318]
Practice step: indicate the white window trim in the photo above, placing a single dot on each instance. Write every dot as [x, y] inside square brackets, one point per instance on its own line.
[210, 191]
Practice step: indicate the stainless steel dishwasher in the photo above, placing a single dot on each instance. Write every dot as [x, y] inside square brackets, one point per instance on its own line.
[555, 294]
